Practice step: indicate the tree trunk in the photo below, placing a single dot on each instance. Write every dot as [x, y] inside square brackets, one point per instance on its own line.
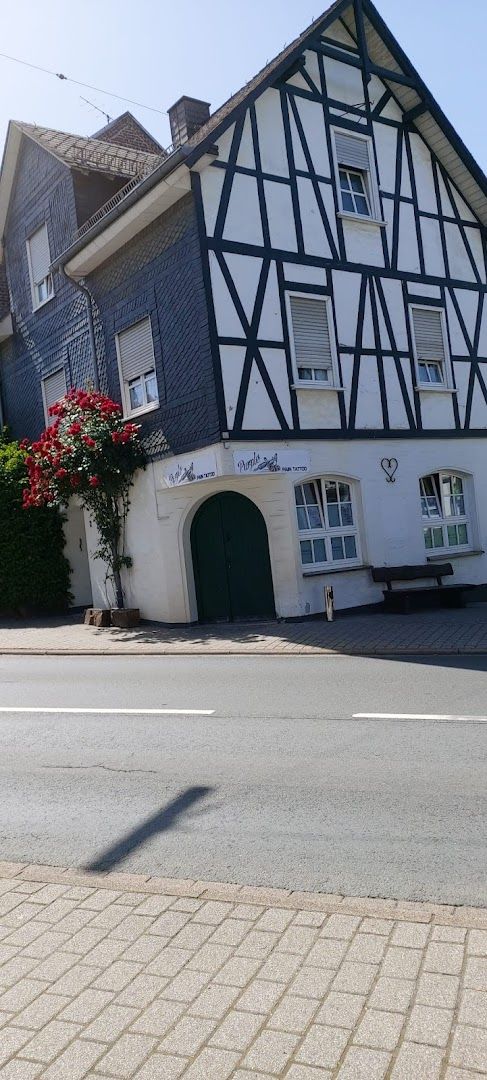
[117, 580]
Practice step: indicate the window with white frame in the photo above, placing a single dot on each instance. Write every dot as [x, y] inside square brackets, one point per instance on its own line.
[327, 524]
[138, 378]
[356, 180]
[430, 349]
[444, 511]
[53, 389]
[39, 259]
[312, 346]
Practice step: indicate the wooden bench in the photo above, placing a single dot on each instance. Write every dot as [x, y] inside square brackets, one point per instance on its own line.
[405, 600]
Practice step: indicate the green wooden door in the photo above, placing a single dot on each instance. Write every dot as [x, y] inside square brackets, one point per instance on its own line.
[231, 559]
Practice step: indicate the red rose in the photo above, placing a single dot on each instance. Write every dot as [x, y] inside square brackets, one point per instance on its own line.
[75, 428]
[60, 474]
[74, 480]
[116, 436]
[88, 441]
[94, 481]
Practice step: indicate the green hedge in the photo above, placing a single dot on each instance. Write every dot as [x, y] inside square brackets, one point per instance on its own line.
[34, 573]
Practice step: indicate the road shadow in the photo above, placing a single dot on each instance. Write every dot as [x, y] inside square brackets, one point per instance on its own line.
[165, 819]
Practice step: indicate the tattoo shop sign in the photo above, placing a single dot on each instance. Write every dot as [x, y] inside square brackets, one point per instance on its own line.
[247, 462]
[190, 469]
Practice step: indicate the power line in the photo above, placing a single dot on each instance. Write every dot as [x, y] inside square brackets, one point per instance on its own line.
[76, 82]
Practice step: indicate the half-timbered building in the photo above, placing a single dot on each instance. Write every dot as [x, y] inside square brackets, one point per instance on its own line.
[316, 389]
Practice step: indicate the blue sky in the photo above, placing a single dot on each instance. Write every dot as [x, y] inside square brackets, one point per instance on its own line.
[154, 51]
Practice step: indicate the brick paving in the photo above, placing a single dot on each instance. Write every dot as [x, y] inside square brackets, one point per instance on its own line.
[462, 631]
[127, 976]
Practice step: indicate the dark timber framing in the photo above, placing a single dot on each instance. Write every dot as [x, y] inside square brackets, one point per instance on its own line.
[391, 361]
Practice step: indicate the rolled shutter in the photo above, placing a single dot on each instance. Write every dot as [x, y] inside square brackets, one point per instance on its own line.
[136, 350]
[54, 387]
[428, 334]
[40, 257]
[352, 151]
[311, 333]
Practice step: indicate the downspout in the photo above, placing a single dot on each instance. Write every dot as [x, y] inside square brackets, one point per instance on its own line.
[91, 327]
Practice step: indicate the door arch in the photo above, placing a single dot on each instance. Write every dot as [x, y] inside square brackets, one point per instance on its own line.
[230, 551]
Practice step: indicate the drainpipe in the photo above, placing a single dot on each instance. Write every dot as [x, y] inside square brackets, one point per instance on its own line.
[91, 328]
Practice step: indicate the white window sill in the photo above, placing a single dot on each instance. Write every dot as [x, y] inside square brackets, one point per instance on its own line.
[334, 568]
[446, 555]
[317, 386]
[361, 219]
[142, 411]
[36, 307]
[430, 388]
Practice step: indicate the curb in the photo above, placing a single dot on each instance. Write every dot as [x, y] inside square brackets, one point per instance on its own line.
[375, 907]
[305, 650]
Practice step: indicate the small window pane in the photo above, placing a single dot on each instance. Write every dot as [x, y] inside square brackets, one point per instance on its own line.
[452, 535]
[319, 550]
[302, 518]
[333, 516]
[344, 180]
[299, 495]
[350, 547]
[305, 373]
[151, 386]
[344, 492]
[314, 517]
[136, 394]
[456, 485]
[306, 552]
[437, 538]
[435, 373]
[347, 202]
[331, 491]
[321, 374]
[357, 183]
[362, 206]
[309, 493]
[428, 539]
[336, 547]
[462, 534]
[347, 516]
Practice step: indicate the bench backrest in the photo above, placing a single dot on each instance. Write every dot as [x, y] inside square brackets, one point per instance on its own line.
[412, 573]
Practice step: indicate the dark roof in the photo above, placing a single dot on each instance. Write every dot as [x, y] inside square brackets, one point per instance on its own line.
[97, 155]
[125, 130]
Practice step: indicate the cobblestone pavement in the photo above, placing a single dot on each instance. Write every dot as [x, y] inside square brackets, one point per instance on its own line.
[463, 631]
[125, 976]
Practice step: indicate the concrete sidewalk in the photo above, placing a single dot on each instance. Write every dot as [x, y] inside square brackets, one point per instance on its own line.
[463, 631]
[124, 976]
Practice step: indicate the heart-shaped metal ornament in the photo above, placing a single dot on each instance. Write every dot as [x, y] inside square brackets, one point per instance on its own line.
[389, 465]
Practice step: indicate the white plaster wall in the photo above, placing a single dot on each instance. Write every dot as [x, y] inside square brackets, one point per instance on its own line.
[77, 555]
[161, 582]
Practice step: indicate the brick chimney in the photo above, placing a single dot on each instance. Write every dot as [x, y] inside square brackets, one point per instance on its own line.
[185, 117]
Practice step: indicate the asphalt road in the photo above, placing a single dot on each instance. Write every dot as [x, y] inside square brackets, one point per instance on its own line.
[279, 786]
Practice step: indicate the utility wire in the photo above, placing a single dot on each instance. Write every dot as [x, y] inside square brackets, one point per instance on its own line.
[76, 82]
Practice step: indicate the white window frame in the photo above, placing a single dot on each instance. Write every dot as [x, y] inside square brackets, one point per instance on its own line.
[443, 520]
[447, 380]
[327, 532]
[34, 286]
[46, 407]
[313, 384]
[370, 178]
[148, 406]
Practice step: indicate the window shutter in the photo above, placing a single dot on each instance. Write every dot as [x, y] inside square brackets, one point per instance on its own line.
[54, 387]
[352, 151]
[136, 350]
[428, 334]
[40, 258]
[311, 333]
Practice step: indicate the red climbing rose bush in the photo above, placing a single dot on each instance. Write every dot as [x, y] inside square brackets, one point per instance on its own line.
[89, 451]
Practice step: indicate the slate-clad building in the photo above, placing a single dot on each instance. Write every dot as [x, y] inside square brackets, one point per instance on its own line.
[291, 302]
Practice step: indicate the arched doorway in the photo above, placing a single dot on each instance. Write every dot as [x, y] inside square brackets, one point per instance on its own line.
[231, 561]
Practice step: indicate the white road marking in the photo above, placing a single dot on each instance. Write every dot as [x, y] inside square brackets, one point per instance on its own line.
[418, 716]
[112, 712]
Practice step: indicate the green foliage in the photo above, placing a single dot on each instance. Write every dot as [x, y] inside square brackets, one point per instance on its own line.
[33, 570]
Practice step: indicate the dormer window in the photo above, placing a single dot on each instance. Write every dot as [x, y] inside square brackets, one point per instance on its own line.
[355, 173]
[39, 260]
